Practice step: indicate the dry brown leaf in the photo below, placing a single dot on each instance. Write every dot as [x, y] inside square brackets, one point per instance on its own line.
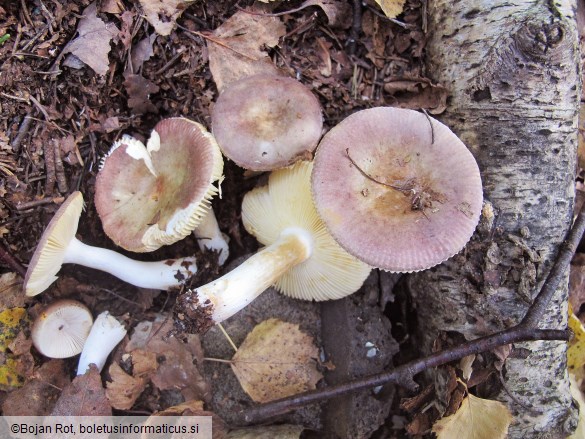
[391, 8]
[92, 44]
[177, 361]
[139, 90]
[38, 395]
[477, 418]
[276, 360]
[417, 93]
[162, 15]
[236, 47]
[85, 396]
[339, 13]
[577, 281]
[142, 52]
[124, 389]
[11, 291]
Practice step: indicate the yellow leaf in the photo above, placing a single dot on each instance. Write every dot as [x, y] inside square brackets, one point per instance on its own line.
[477, 418]
[576, 349]
[578, 396]
[12, 321]
[9, 376]
[276, 360]
[391, 8]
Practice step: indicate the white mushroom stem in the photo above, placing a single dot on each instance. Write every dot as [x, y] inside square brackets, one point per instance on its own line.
[104, 336]
[157, 275]
[209, 237]
[236, 289]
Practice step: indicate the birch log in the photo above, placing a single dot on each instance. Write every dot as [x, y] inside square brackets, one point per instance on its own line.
[512, 73]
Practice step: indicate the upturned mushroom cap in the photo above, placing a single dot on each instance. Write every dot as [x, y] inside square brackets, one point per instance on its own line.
[285, 203]
[48, 256]
[266, 122]
[154, 195]
[397, 189]
[61, 329]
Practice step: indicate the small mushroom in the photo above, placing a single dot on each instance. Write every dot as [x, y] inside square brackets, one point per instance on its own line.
[58, 245]
[156, 194]
[61, 329]
[104, 336]
[301, 259]
[397, 189]
[266, 122]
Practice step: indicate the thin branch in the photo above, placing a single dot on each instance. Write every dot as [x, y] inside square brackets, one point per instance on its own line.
[11, 261]
[402, 375]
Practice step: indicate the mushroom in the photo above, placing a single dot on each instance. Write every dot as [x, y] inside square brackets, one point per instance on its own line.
[397, 189]
[156, 194]
[61, 328]
[58, 246]
[301, 259]
[266, 122]
[104, 336]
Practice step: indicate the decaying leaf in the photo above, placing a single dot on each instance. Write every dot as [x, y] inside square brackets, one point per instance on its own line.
[391, 8]
[11, 291]
[577, 269]
[123, 390]
[477, 418]
[416, 93]
[162, 15]
[38, 395]
[85, 396]
[338, 12]
[139, 90]
[276, 360]
[576, 349]
[176, 362]
[236, 48]
[12, 321]
[92, 44]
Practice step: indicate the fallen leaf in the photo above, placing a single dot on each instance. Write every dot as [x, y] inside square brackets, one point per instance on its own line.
[339, 13]
[477, 418]
[11, 291]
[85, 396]
[142, 52]
[37, 397]
[276, 360]
[391, 8]
[236, 47]
[176, 361]
[139, 90]
[12, 321]
[162, 15]
[285, 431]
[576, 349]
[416, 93]
[577, 276]
[92, 44]
[123, 390]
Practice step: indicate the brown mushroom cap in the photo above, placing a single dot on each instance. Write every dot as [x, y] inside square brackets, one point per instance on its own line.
[397, 189]
[48, 256]
[266, 122]
[153, 195]
[61, 329]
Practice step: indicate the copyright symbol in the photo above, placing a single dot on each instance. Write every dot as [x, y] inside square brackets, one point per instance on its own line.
[14, 428]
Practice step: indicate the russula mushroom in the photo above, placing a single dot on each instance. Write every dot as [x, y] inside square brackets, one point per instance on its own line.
[266, 122]
[61, 329]
[58, 245]
[104, 336]
[156, 194]
[300, 259]
[397, 189]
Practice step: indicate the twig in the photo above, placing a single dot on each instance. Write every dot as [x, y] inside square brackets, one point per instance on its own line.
[59, 169]
[356, 28]
[216, 41]
[566, 251]
[402, 375]
[36, 203]
[22, 131]
[11, 261]
[49, 154]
